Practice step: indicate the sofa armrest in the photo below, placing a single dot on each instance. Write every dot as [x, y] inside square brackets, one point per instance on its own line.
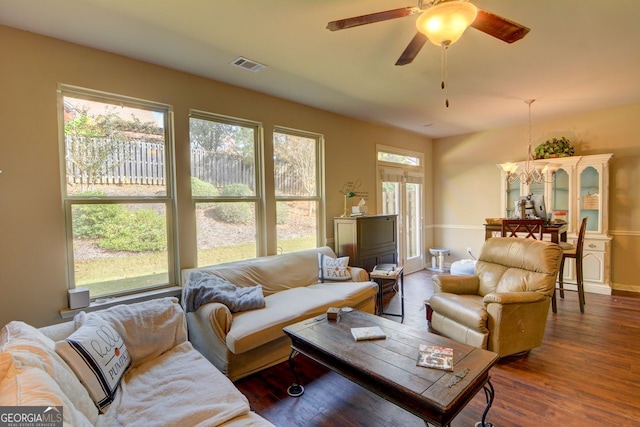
[359, 274]
[513, 297]
[460, 285]
[218, 316]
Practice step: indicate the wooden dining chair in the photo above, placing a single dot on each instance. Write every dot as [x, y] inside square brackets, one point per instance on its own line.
[575, 252]
[534, 228]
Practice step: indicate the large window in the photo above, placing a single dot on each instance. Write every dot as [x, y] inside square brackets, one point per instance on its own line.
[117, 190]
[226, 187]
[298, 189]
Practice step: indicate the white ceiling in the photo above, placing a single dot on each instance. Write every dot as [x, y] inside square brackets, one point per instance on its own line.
[581, 55]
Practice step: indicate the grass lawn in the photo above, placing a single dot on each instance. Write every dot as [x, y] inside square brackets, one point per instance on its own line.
[105, 276]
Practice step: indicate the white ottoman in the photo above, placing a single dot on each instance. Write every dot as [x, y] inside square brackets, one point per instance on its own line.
[463, 267]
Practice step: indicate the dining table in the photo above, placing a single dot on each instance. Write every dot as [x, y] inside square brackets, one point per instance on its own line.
[557, 232]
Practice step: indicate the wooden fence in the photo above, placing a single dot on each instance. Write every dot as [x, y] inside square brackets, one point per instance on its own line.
[122, 162]
[221, 171]
[143, 163]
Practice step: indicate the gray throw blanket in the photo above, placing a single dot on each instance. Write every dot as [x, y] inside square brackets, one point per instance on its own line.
[202, 288]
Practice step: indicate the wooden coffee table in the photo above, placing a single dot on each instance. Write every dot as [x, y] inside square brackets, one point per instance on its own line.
[388, 367]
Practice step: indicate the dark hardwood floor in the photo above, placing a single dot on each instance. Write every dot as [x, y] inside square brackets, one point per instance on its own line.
[586, 373]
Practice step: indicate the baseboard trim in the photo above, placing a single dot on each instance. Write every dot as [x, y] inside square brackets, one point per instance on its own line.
[634, 294]
[620, 289]
[592, 288]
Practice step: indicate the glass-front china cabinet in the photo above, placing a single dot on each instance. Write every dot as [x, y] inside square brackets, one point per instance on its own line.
[573, 188]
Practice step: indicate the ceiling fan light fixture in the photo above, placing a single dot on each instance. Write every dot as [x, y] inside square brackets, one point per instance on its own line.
[444, 24]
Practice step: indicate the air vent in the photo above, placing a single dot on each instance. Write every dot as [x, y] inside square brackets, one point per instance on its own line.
[248, 64]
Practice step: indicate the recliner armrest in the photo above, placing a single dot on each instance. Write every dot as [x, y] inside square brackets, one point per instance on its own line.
[456, 284]
[513, 297]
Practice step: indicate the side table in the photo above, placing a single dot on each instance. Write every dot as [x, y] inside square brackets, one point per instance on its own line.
[397, 277]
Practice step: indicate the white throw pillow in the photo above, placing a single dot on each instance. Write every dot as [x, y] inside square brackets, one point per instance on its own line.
[99, 357]
[148, 328]
[30, 386]
[333, 269]
[30, 347]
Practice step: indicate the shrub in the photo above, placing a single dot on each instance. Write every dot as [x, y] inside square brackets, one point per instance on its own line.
[135, 231]
[237, 190]
[200, 188]
[235, 212]
[89, 221]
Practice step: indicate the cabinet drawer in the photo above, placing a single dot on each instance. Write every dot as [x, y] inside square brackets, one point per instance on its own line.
[594, 245]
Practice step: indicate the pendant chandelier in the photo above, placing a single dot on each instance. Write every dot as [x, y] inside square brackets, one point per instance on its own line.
[529, 173]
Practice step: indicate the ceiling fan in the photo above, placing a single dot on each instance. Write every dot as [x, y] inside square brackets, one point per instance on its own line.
[487, 22]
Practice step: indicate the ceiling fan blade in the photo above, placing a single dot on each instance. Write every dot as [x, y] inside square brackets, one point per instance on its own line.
[499, 27]
[412, 49]
[343, 24]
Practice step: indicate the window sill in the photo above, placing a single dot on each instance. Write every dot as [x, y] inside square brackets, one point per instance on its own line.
[174, 291]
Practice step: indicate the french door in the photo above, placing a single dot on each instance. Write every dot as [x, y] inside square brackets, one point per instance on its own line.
[400, 192]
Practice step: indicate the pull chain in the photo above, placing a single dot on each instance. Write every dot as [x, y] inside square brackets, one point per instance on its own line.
[444, 71]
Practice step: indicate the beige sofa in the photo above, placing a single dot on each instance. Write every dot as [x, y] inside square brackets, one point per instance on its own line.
[169, 383]
[245, 342]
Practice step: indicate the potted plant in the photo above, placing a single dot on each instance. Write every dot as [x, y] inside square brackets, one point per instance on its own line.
[555, 147]
[348, 191]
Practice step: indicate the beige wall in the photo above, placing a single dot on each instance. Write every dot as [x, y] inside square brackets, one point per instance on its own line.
[32, 252]
[467, 181]
[461, 188]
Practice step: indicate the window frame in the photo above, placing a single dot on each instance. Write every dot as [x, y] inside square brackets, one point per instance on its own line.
[320, 196]
[168, 199]
[259, 197]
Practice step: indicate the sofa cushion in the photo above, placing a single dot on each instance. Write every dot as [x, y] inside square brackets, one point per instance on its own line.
[251, 329]
[178, 388]
[22, 343]
[24, 385]
[99, 357]
[148, 328]
[333, 269]
[275, 273]
[17, 333]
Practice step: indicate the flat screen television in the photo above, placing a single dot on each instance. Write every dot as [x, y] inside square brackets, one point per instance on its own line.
[534, 207]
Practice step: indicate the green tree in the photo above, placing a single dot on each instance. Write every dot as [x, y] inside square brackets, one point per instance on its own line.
[90, 142]
[296, 157]
[222, 138]
[222, 141]
[97, 140]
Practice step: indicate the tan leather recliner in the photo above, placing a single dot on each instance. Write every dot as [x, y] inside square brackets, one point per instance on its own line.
[503, 307]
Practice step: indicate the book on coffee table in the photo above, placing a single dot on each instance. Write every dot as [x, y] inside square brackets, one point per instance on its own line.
[368, 333]
[384, 270]
[433, 356]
